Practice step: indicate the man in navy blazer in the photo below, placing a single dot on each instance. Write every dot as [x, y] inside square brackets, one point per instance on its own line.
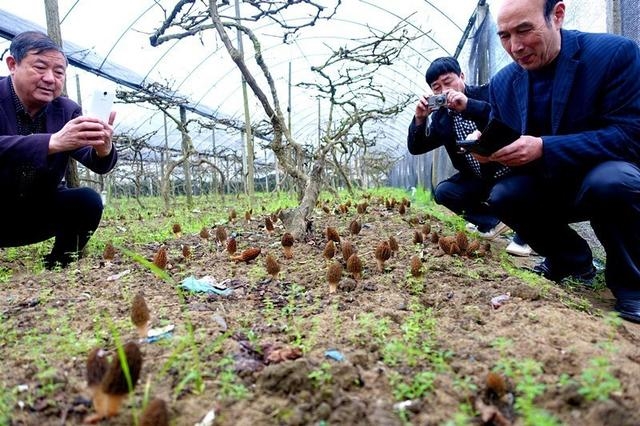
[39, 132]
[575, 98]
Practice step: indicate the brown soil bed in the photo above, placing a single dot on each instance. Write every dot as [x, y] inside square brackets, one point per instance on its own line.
[258, 355]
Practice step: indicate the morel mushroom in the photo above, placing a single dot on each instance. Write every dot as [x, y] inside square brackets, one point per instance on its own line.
[221, 234]
[416, 266]
[114, 386]
[329, 250]
[247, 255]
[287, 245]
[355, 227]
[109, 252]
[272, 265]
[334, 274]
[393, 245]
[354, 267]
[383, 253]
[332, 234]
[347, 249]
[160, 258]
[140, 316]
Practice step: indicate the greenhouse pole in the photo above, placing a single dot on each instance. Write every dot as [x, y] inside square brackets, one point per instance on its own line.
[213, 159]
[247, 118]
[164, 155]
[185, 151]
[53, 29]
[266, 175]
[227, 171]
[289, 108]
[319, 124]
[276, 167]
[244, 165]
[289, 101]
[614, 20]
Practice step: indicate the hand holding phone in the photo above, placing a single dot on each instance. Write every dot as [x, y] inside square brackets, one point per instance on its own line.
[101, 105]
[495, 136]
[466, 145]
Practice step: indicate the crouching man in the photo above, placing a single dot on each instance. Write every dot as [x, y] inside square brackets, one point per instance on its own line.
[39, 132]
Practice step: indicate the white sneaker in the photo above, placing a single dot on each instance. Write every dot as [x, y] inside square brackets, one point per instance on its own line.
[470, 227]
[518, 249]
[494, 232]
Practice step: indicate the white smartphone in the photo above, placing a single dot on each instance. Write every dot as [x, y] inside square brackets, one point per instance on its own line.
[101, 105]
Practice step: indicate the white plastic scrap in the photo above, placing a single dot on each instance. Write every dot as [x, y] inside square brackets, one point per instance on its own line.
[498, 301]
[402, 405]
[155, 332]
[118, 275]
[208, 419]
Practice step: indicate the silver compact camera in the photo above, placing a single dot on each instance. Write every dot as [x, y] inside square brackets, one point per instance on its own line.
[437, 101]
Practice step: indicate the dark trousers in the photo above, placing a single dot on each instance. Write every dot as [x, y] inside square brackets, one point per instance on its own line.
[70, 215]
[466, 196]
[608, 196]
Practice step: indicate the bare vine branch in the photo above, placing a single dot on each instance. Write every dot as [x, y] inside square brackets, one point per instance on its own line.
[186, 20]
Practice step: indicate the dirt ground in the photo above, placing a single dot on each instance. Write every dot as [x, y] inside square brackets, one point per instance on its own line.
[258, 356]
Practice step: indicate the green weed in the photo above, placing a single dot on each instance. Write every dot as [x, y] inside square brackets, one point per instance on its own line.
[415, 387]
[321, 376]
[415, 285]
[8, 401]
[294, 294]
[423, 197]
[526, 374]
[310, 337]
[502, 345]
[577, 303]
[256, 272]
[596, 382]
[5, 274]
[463, 417]
[228, 383]
[281, 200]
[193, 376]
[268, 310]
[336, 319]
[371, 328]
[393, 352]
[465, 385]
[614, 322]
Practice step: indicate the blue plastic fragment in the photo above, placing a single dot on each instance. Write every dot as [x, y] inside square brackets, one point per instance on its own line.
[195, 285]
[334, 354]
[151, 339]
[156, 334]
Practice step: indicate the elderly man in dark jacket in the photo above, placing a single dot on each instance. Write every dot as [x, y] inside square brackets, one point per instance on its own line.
[39, 132]
[460, 112]
[575, 97]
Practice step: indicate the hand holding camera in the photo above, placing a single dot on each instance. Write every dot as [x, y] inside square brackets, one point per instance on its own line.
[429, 103]
[451, 99]
[437, 101]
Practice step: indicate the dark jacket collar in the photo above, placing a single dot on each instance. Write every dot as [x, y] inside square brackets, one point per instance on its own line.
[566, 67]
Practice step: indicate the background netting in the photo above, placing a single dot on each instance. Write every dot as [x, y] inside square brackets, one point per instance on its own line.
[629, 12]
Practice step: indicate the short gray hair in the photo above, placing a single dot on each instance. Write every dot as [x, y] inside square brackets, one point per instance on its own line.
[32, 41]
